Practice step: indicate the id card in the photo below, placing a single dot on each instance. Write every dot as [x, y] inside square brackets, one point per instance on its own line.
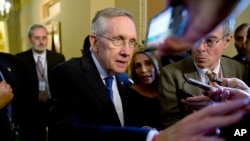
[42, 85]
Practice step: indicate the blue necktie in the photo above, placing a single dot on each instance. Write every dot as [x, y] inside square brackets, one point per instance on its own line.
[108, 81]
[1, 76]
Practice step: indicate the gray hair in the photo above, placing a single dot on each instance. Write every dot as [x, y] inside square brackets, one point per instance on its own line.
[35, 26]
[98, 22]
[229, 25]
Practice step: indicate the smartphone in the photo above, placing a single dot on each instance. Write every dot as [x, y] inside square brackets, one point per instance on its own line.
[169, 22]
[199, 84]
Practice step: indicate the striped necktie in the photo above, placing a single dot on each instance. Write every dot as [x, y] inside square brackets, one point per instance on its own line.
[40, 69]
[43, 89]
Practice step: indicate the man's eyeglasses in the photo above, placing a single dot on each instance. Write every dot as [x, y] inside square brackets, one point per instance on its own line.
[117, 41]
[210, 42]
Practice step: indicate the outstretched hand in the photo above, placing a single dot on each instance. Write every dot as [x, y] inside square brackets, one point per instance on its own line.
[203, 18]
[214, 116]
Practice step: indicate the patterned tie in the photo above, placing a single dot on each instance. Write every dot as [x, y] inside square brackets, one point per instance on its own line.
[108, 81]
[211, 77]
[40, 70]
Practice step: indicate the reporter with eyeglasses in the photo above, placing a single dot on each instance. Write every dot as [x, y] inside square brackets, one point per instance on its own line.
[206, 56]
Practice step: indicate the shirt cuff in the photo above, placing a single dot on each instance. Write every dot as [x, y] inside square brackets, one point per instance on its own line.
[151, 135]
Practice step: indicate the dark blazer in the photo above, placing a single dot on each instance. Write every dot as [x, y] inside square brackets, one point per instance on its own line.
[52, 58]
[173, 78]
[15, 75]
[239, 58]
[82, 106]
[40, 109]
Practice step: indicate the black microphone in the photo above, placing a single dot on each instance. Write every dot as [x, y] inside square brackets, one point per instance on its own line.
[183, 93]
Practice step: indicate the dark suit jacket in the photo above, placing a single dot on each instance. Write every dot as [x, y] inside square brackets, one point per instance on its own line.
[15, 75]
[40, 108]
[52, 58]
[239, 58]
[82, 107]
[174, 76]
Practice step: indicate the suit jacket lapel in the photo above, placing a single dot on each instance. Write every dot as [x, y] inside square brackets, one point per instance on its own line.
[50, 63]
[226, 69]
[31, 63]
[121, 85]
[6, 71]
[7, 68]
[95, 82]
[191, 72]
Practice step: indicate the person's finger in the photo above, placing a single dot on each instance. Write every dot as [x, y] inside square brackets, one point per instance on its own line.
[224, 82]
[223, 108]
[218, 93]
[219, 121]
[223, 96]
[173, 46]
[208, 138]
[199, 98]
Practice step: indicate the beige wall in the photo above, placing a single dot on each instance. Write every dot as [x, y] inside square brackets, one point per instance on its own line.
[75, 18]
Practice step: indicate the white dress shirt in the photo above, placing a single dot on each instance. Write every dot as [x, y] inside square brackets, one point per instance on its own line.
[202, 72]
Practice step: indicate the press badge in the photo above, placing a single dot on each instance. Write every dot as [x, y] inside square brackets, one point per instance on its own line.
[42, 85]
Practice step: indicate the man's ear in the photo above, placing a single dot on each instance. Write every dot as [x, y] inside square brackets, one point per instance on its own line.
[93, 41]
[228, 39]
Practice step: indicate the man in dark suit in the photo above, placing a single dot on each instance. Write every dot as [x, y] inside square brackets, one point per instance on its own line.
[240, 37]
[16, 118]
[83, 108]
[205, 56]
[6, 95]
[38, 37]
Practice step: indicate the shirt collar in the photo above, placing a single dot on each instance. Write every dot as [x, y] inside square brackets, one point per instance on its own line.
[204, 70]
[100, 69]
[43, 55]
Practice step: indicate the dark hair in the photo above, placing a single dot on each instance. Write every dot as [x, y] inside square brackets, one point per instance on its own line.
[241, 27]
[86, 45]
[248, 33]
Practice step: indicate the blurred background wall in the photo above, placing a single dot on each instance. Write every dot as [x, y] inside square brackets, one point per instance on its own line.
[71, 20]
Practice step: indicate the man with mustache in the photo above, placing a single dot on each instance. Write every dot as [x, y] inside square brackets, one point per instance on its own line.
[38, 37]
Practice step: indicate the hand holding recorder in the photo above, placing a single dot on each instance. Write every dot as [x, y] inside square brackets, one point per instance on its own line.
[231, 89]
[196, 102]
[199, 84]
[213, 95]
[185, 94]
